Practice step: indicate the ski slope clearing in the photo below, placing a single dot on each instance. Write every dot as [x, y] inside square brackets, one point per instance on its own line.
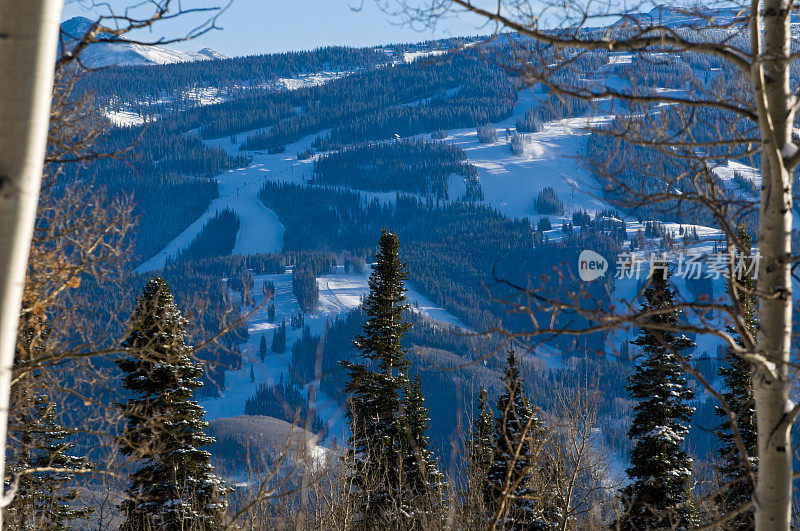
[260, 230]
[339, 293]
[511, 182]
[124, 118]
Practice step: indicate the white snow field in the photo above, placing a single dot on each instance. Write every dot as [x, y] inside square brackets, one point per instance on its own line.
[339, 293]
[260, 230]
[511, 183]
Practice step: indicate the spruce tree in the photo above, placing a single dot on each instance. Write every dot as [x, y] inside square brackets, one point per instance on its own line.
[480, 454]
[481, 445]
[43, 499]
[422, 477]
[173, 485]
[262, 347]
[737, 375]
[660, 468]
[37, 440]
[516, 476]
[376, 388]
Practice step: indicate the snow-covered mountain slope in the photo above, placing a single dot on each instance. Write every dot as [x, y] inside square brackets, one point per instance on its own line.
[676, 17]
[127, 54]
[104, 54]
[339, 292]
[260, 230]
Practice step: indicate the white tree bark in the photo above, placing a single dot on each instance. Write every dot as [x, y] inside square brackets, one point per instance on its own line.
[28, 43]
[772, 90]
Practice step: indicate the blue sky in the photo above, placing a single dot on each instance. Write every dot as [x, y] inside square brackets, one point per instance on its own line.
[259, 26]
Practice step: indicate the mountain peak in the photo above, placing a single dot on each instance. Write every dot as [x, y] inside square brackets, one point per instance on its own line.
[104, 54]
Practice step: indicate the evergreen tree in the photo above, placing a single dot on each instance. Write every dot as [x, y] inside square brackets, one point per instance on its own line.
[262, 347]
[660, 468]
[480, 454]
[43, 500]
[481, 446]
[737, 375]
[279, 338]
[515, 476]
[376, 386]
[172, 485]
[37, 440]
[423, 479]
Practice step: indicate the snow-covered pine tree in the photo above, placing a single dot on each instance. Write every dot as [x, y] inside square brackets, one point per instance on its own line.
[514, 484]
[659, 496]
[423, 480]
[43, 499]
[37, 440]
[737, 375]
[375, 389]
[481, 444]
[479, 453]
[173, 485]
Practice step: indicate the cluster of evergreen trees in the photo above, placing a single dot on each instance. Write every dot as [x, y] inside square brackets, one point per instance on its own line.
[452, 247]
[412, 166]
[395, 474]
[304, 285]
[279, 338]
[158, 89]
[217, 238]
[547, 202]
[660, 494]
[371, 105]
[554, 107]
[283, 401]
[508, 452]
[487, 134]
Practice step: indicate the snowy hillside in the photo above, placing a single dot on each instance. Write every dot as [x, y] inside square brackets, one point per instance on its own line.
[105, 54]
[340, 292]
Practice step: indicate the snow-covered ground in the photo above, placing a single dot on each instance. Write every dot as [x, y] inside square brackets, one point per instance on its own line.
[260, 231]
[410, 57]
[199, 96]
[339, 293]
[511, 183]
[123, 118]
[309, 80]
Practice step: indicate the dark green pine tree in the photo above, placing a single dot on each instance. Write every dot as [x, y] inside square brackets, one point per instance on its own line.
[262, 347]
[737, 375]
[423, 479]
[173, 485]
[279, 338]
[37, 440]
[659, 495]
[375, 388]
[43, 499]
[480, 454]
[481, 444]
[515, 474]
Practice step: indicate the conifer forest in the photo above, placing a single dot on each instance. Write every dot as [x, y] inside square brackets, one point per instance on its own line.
[510, 265]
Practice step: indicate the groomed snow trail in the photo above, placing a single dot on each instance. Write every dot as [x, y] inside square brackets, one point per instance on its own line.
[260, 230]
[339, 293]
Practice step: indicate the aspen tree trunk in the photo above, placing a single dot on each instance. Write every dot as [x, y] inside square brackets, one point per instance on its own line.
[773, 496]
[28, 42]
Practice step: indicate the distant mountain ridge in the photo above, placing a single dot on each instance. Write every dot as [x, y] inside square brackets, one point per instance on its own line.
[127, 54]
[694, 17]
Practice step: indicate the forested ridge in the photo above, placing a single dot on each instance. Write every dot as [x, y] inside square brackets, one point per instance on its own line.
[361, 171]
